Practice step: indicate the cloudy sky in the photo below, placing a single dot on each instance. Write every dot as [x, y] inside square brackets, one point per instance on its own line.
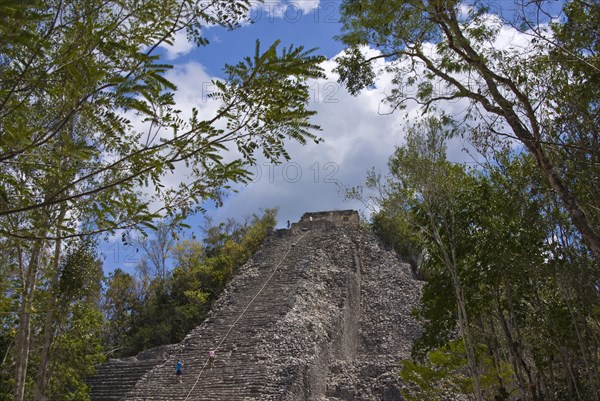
[358, 132]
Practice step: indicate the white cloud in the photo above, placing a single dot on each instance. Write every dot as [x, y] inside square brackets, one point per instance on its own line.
[194, 85]
[289, 10]
[357, 136]
[180, 47]
[305, 5]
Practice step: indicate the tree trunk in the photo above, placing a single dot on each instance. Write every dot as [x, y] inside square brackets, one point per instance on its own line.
[463, 318]
[494, 347]
[580, 220]
[467, 336]
[40, 380]
[585, 350]
[23, 339]
[515, 361]
[40, 383]
[514, 351]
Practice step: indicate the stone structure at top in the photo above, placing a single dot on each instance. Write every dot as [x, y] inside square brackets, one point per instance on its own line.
[322, 312]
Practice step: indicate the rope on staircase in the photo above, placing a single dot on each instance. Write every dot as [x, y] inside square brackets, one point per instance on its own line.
[244, 311]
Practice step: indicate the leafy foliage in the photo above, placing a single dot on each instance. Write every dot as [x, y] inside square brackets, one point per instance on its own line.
[67, 323]
[510, 249]
[529, 91]
[445, 373]
[77, 352]
[169, 308]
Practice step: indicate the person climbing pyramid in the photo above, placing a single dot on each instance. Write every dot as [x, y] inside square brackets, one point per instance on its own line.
[212, 355]
[179, 371]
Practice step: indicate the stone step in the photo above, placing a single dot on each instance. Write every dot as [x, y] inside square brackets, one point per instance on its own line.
[114, 380]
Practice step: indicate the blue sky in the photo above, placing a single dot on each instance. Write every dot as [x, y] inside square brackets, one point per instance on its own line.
[358, 133]
[312, 29]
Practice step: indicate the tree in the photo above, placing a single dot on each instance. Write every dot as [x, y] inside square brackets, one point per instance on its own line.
[431, 187]
[74, 284]
[77, 352]
[156, 252]
[444, 50]
[75, 75]
[73, 326]
[505, 272]
[119, 302]
[69, 88]
[64, 311]
[445, 374]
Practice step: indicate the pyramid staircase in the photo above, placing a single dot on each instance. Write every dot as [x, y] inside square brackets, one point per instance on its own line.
[117, 377]
[321, 312]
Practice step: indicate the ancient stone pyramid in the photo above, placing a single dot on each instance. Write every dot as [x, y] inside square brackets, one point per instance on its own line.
[321, 312]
